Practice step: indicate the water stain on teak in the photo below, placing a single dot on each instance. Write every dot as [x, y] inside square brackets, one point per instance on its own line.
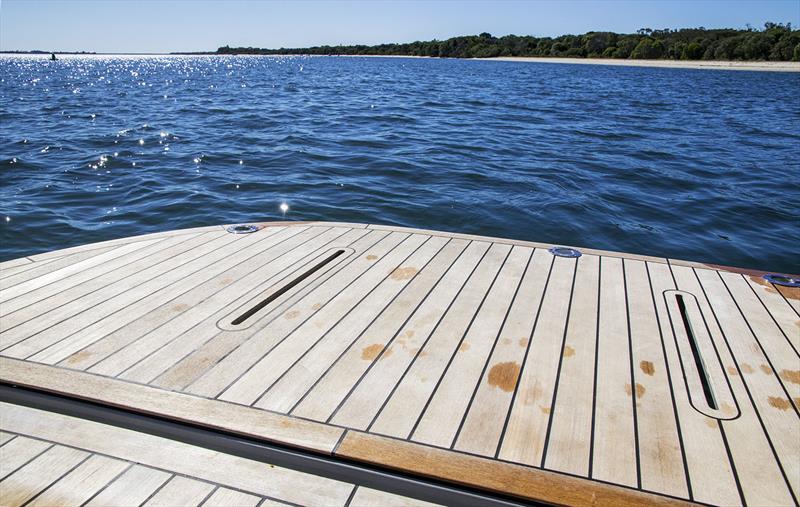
[403, 273]
[747, 368]
[569, 351]
[779, 403]
[639, 390]
[792, 376]
[180, 307]
[371, 352]
[371, 257]
[504, 376]
[647, 367]
[292, 314]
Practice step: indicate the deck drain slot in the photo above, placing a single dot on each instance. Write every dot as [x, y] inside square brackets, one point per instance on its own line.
[242, 229]
[283, 290]
[563, 251]
[698, 361]
[787, 281]
[705, 379]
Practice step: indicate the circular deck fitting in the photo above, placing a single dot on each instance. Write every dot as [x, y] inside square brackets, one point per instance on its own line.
[562, 251]
[787, 281]
[242, 229]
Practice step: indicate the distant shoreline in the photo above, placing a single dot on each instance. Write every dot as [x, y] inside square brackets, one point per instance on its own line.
[760, 66]
[763, 66]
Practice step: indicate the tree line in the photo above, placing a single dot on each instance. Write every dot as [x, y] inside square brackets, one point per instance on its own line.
[776, 41]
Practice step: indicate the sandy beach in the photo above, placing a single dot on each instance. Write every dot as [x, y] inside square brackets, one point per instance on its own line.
[673, 64]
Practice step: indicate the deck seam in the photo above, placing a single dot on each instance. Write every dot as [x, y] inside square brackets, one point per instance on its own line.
[109, 483]
[634, 395]
[491, 351]
[524, 362]
[352, 308]
[159, 275]
[40, 301]
[69, 471]
[288, 301]
[421, 414]
[675, 412]
[389, 342]
[232, 382]
[344, 400]
[173, 340]
[9, 474]
[747, 389]
[560, 363]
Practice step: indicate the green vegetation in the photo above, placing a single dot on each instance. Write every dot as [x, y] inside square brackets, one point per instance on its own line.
[776, 42]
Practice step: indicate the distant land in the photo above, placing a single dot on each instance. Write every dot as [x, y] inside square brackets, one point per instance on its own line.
[775, 42]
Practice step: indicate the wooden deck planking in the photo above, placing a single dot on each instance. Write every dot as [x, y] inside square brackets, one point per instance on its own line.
[133, 487]
[527, 426]
[285, 393]
[753, 452]
[711, 477]
[468, 344]
[660, 451]
[438, 424]
[31, 479]
[397, 414]
[485, 419]
[335, 386]
[570, 441]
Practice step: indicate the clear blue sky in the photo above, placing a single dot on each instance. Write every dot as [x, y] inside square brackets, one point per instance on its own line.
[162, 26]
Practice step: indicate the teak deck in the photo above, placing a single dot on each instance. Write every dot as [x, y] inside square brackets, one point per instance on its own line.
[605, 379]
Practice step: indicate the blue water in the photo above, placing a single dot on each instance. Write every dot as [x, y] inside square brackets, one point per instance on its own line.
[692, 164]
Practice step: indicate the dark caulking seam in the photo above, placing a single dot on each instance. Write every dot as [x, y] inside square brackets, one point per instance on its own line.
[560, 364]
[720, 426]
[268, 322]
[288, 302]
[669, 382]
[252, 253]
[133, 464]
[3, 477]
[341, 290]
[125, 470]
[293, 250]
[60, 477]
[769, 312]
[334, 327]
[636, 444]
[410, 435]
[479, 382]
[112, 296]
[411, 363]
[747, 389]
[278, 293]
[781, 381]
[73, 287]
[388, 343]
[698, 360]
[511, 405]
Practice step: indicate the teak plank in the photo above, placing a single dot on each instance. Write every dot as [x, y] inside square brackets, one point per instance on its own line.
[180, 491]
[224, 497]
[570, 441]
[133, 487]
[439, 423]
[526, 430]
[36, 476]
[401, 411]
[366, 355]
[614, 451]
[710, 473]
[483, 424]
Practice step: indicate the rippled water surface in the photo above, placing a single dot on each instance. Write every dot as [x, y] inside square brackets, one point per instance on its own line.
[693, 164]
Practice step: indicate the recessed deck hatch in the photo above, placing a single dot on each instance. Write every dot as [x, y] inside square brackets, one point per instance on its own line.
[706, 382]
